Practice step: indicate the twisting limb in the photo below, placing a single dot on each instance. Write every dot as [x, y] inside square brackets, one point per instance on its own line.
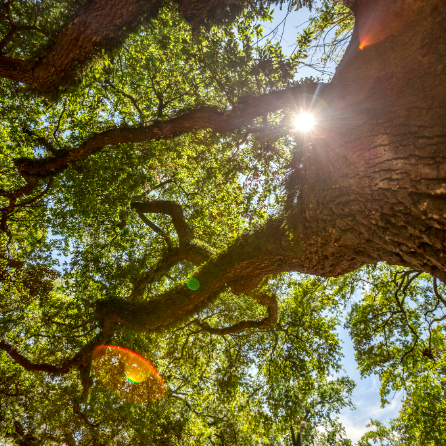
[188, 250]
[174, 210]
[204, 117]
[406, 280]
[39, 196]
[437, 294]
[41, 367]
[268, 300]
[30, 185]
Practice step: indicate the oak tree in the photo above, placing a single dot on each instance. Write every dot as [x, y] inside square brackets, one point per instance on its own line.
[151, 142]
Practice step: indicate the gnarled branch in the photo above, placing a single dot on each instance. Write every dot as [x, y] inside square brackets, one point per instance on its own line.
[155, 228]
[193, 252]
[205, 117]
[174, 210]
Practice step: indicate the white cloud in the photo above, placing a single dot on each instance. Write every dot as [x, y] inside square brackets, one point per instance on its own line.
[366, 409]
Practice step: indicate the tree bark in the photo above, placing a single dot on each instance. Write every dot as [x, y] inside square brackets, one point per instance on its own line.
[375, 188]
[372, 189]
[98, 26]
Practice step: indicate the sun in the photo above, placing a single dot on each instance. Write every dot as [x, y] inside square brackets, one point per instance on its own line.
[304, 122]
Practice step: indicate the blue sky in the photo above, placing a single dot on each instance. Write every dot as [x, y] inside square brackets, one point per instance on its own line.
[366, 396]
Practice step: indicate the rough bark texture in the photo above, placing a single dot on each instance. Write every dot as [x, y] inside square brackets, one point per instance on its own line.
[373, 189]
[98, 25]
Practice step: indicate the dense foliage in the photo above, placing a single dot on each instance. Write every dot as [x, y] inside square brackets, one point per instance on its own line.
[76, 240]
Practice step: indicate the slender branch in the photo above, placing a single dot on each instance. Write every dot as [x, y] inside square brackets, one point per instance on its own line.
[30, 185]
[128, 96]
[39, 196]
[437, 294]
[14, 28]
[268, 300]
[406, 280]
[41, 367]
[293, 436]
[56, 130]
[156, 229]
[77, 411]
[79, 359]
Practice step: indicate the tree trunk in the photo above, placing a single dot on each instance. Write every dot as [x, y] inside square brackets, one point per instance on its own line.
[374, 188]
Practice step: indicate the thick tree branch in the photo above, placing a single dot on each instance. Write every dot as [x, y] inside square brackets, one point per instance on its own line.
[240, 268]
[268, 300]
[98, 25]
[205, 117]
[188, 249]
[16, 69]
[82, 358]
[174, 210]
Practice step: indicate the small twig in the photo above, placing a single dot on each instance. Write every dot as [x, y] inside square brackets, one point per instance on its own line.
[56, 130]
[128, 96]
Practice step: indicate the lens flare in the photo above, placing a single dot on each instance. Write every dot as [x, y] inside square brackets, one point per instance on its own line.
[193, 284]
[304, 122]
[127, 374]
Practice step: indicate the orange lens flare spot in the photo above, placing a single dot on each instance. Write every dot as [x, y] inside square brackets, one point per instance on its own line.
[361, 47]
[127, 374]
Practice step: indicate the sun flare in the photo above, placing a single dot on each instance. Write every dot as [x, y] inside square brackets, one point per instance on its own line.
[304, 122]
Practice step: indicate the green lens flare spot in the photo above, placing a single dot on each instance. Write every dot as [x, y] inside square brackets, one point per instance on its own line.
[193, 284]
